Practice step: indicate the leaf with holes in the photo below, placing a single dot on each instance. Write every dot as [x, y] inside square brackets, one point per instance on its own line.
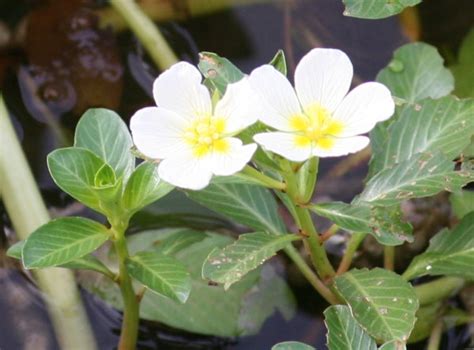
[249, 205]
[144, 187]
[61, 241]
[104, 133]
[83, 175]
[381, 301]
[344, 332]
[423, 175]
[450, 253]
[292, 345]
[218, 70]
[230, 264]
[416, 72]
[162, 274]
[444, 125]
[385, 224]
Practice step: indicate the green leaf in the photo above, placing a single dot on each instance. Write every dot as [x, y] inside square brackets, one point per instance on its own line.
[61, 241]
[381, 301]
[279, 62]
[344, 333]
[144, 187]
[423, 175]
[444, 125]
[462, 203]
[249, 205]
[230, 264]
[104, 133]
[393, 345]
[74, 170]
[416, 71]
[375, 9]
[385, 224]
[218, 70]
[162, 274]
[15, 250]
[88, 262]
[450, 253]
[292, 345]
[462, 70]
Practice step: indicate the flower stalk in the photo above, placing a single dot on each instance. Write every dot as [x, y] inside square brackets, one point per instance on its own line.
[354, 242]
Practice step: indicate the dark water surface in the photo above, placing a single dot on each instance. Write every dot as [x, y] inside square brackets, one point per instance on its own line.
[59, 64]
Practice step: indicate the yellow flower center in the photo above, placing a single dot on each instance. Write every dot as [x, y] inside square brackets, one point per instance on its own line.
[206, 134]
[315, 127]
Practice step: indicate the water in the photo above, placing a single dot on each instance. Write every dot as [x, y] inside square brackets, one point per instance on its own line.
[60, 64]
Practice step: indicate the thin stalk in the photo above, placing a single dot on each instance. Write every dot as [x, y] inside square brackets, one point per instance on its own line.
[389, 257]
[311, 276]
[331, 231]
[262, 179]
[439, 289]
[27, 212]
[435, 338]
[352, 246]
[129, 332]
[316, 248]
[148, 33]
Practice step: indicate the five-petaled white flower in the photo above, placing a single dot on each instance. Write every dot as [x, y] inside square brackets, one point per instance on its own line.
[320, 119]
[192, 138]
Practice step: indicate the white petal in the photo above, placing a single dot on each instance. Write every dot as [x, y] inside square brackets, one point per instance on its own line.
[157, 132]
[238, 106]
[231, 162]
[284, 144]
[179, 89]
[185, 171]
[363, 107]
[323, 76]
[343, 146]
[276, 97]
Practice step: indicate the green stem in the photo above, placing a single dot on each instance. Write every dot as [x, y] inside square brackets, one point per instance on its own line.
[389, 257]
[354, 242]
[27, 212]
[439, 289]
[311, 276]
[435, 337]
[262, 179]
[316, 248]
[147, 32]
[129, 332]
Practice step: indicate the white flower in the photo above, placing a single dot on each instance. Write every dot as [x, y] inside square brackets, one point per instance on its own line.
[321, 118]
[192, 139]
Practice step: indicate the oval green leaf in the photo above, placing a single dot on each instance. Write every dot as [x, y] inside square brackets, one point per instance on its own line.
[381, 301]
[450, 253]
[416, 72]
[144, 187]
[249, 205]
[162, 274]
[230, 264]
[344, 333]
[292, 345]
[375, 9]
[75, 171]
[61, 241]
[103, 132]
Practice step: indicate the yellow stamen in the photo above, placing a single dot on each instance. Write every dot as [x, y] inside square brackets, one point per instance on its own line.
[315, 127]
[206, 134]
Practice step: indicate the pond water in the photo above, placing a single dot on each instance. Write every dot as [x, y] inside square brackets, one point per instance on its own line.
[55, 63]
